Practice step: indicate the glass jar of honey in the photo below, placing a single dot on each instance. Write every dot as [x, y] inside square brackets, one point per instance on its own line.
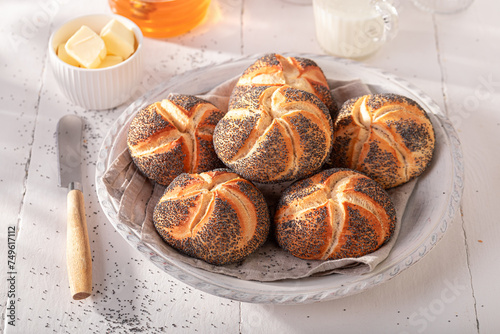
[162, 18]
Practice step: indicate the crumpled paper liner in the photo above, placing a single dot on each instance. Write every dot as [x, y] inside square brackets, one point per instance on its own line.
[137, 197]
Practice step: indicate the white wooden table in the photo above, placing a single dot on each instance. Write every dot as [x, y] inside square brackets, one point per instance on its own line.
[454, 289]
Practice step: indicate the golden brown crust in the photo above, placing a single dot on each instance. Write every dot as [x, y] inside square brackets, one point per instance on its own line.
[297, 72]
[338, 213]
[174, 136]
[216, 216]
[274, 134]
[388, 137]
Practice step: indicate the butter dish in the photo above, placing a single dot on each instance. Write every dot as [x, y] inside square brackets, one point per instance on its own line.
[96, 88]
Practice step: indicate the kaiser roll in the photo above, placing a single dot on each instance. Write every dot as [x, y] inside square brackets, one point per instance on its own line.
[216, 216]
[174, 136]
[297, 72]
[274, 133]
[388, 137]
[335, 214]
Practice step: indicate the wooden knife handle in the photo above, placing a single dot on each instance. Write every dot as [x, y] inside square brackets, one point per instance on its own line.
[78, 248]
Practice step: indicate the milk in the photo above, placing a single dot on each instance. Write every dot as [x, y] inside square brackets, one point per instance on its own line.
[351, 28]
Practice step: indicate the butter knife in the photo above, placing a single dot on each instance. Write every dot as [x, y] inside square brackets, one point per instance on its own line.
[78, 258]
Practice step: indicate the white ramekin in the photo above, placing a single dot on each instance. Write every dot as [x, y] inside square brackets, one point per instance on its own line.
[103, 88]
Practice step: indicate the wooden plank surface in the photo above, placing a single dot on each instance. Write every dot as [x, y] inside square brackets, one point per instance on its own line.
[472, 80]
[454, 59]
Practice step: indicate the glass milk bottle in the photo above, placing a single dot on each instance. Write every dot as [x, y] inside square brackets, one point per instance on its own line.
[354, 28]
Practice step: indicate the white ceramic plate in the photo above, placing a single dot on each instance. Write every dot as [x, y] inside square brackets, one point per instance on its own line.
[429, 211]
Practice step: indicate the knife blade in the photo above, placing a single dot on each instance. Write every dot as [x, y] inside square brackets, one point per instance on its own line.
[78, 258]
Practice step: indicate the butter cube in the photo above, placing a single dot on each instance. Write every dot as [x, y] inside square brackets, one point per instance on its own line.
[64, 56]
[118, 38]
[86, 47]
[110, 60]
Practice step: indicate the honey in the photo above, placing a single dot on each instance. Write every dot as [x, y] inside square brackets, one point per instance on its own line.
[162, 18]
